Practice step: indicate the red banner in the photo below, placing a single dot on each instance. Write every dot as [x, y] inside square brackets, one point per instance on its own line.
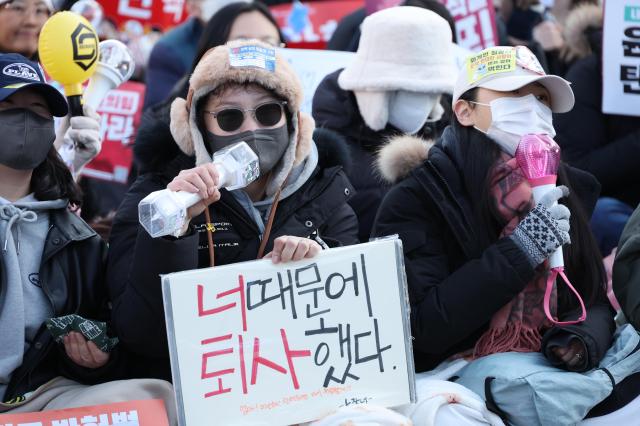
[475, 23]
[310, 24]
[164, 14]
[120, 113]
[131, 413]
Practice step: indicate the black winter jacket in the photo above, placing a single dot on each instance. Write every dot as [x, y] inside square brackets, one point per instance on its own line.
[455, 286]
[72, 276]
[337, 110]
[136, 261]
[605, 145]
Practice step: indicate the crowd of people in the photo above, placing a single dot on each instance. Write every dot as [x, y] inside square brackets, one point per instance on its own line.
[400, 142]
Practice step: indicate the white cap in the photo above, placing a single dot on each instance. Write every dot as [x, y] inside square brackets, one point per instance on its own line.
[506, 68]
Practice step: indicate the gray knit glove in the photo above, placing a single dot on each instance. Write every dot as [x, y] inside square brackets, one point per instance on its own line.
[545, 228]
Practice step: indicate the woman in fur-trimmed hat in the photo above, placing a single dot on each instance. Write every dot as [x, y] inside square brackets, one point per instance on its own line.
[242, 91]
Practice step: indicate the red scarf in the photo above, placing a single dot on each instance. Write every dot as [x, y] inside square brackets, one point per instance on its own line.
[517, 326]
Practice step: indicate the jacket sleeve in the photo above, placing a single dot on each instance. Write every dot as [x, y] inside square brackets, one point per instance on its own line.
[94, 306]
[163, 72]
[342, 228]
[595, 333]
[450, 298]
[626, 270]
[584, 137]
[135, 264]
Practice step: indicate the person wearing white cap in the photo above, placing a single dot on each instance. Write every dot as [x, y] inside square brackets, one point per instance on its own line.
[475, 241]
[402, 72]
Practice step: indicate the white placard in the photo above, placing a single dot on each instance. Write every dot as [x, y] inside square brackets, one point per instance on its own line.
[312, 66]
[260, 344]
[621, 58]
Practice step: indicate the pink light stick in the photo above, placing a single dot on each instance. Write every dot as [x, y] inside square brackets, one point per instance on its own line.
[539, 158]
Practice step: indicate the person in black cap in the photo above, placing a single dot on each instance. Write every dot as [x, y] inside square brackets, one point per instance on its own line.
[51, 261]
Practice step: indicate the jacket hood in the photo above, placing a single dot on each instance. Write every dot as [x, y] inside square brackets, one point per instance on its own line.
[401, 155]
[231, 63]
[579, 26]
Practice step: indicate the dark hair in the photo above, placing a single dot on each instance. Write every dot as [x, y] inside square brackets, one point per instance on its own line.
[583, 261]
[439, 8]
[216, 32]
[52, 180]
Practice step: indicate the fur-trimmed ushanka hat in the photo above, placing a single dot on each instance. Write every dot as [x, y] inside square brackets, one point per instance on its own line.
[244, 62]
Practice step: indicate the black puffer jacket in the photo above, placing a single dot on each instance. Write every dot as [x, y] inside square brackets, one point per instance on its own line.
[605, 145]
[318, 207]
[72, 276]
[337, 110]
[456, 286]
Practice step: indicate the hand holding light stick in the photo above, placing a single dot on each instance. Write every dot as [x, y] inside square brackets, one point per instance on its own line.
[539, 158]
[165, 212]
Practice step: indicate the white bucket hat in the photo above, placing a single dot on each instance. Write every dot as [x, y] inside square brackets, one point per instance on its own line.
[506, 68]
[402, 48]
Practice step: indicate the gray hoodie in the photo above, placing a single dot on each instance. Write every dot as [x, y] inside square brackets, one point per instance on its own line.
[24, 226]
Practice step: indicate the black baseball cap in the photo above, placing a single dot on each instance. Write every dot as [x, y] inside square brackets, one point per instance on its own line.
[18, 72]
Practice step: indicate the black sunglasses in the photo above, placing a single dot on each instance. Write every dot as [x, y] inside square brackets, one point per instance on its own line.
[267, 115]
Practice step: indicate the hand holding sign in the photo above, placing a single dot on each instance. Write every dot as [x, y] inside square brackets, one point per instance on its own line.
[289, 248]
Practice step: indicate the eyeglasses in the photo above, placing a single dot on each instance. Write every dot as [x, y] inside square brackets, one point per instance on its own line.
[267, 115]
[21, 8]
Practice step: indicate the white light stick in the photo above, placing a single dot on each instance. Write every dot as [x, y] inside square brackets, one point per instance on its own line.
[115, 66]
[165, 212]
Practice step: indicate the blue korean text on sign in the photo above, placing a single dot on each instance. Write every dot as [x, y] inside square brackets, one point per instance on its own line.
[253, 57]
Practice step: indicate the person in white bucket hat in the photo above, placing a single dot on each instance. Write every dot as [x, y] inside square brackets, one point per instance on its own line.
[400, 82]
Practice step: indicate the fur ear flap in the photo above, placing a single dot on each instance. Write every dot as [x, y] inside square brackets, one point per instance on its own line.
[401, 155]
[306, 125]
[179, 126]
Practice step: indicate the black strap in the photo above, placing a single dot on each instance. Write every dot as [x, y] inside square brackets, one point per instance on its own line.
[613, 380]
[491, 402]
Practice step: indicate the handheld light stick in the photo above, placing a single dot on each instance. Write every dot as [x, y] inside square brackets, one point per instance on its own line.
[539, 158]
[68, 50]
[115, 66]
[165, 212]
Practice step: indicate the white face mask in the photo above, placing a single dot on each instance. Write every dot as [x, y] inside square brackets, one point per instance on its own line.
[409, 111]
[512, 118]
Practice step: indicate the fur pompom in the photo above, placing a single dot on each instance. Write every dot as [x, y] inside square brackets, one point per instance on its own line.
[180, 128]
[305, 137]
[401, 155]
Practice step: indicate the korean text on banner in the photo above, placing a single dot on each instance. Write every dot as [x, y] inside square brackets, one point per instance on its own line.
[149, 412]
[164, 14]
[257, 343]
[475, 23]
[120, 114]
[621, 58]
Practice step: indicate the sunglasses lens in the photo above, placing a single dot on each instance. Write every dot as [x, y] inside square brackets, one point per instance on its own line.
[230, 120]
[269, 114]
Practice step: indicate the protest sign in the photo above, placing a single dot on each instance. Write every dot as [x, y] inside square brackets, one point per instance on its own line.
[257, 343]
[311, 24]
[312, 66]
[120, 113]
[621, 58]
[162, 14]
[475, 23]
[149, 412]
